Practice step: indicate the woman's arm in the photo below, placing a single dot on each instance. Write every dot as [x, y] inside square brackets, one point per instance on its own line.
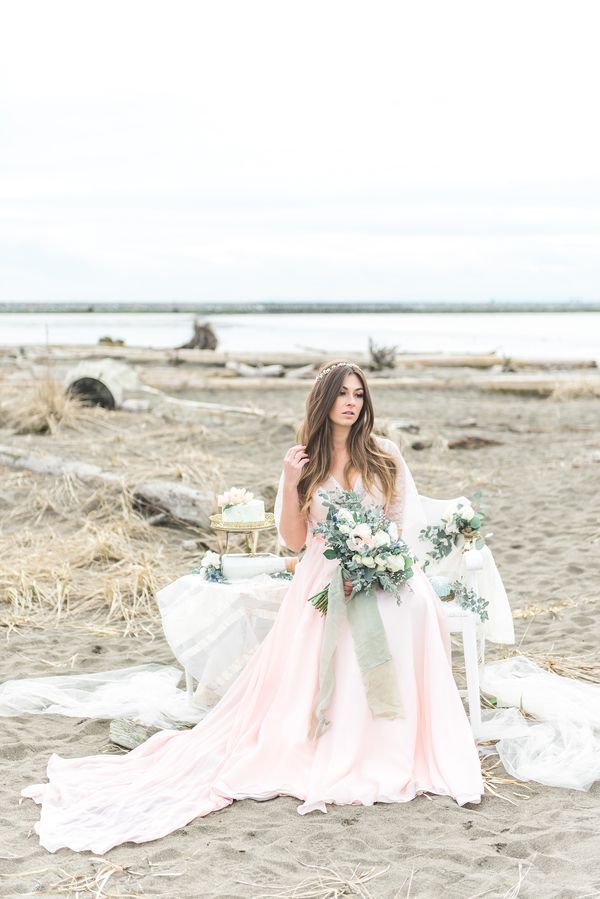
[292, 527]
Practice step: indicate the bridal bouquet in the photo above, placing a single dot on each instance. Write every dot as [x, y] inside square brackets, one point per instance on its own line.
[459, 520]
[366, 543]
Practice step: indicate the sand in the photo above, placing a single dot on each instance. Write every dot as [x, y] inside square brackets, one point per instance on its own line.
[541, 487]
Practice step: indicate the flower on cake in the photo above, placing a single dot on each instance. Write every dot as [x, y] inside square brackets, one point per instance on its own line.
[234, 496]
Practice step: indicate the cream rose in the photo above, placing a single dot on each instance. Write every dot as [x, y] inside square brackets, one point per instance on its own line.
[361, 530]
[395, 563]
[382, 538]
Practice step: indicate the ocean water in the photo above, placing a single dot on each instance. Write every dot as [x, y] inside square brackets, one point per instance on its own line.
[535, 335]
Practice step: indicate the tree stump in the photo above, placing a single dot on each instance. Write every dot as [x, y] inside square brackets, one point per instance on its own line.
[204, 338]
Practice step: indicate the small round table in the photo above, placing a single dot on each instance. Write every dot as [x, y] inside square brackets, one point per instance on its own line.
[250, 529]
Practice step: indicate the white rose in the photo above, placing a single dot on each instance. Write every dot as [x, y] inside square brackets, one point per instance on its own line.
[344, 529]
[395, 563]
[345, 516]
[381, 563]
[467, 512]
[368, 561]
[362, 530]
[382, 538]
[353, 543]
[210, 558]
[357, 558]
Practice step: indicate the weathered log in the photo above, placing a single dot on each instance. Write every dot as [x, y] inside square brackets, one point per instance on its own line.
[114, 385]
[157, 356]
[103, 382]
[303, 371]
[180, 502]
[255, 371]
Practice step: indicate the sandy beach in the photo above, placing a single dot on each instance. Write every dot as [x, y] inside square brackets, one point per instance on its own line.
[81, 567]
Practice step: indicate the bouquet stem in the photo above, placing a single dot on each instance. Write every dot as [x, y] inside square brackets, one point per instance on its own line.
[319, 600]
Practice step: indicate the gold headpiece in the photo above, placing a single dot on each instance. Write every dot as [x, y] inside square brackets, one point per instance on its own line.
[331, 367]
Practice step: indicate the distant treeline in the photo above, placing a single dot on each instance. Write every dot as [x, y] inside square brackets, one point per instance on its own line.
[279, 306]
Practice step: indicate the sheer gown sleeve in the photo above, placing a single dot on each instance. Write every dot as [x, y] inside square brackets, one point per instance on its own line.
[406, 509]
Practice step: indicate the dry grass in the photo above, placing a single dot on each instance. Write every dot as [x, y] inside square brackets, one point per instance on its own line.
[107, 881]
[83, 551]
[584, 667]
[494, 776]
[327, 882]
[42, 407]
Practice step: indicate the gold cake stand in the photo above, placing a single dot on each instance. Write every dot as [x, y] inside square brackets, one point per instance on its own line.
[250, 529]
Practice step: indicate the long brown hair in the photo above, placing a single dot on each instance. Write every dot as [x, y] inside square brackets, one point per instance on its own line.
[315, 432]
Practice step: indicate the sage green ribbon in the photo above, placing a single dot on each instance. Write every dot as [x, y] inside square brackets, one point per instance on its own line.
[372, 653]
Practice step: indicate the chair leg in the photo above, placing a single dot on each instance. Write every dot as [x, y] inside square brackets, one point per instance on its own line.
[472, 674]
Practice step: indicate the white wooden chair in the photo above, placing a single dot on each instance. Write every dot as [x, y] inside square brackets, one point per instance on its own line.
[464, 622]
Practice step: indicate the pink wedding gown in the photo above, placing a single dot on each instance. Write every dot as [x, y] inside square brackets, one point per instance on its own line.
[254, 742]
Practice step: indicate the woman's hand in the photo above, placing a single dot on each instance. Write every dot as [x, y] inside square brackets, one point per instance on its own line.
[347, 588]
[293, 463]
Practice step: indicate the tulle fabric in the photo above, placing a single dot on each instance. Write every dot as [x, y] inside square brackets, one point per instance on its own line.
[562, 748]
[254, 742]
[148, 694]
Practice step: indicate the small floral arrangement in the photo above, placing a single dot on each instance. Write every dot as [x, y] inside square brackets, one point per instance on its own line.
[465, 596]
[459, 520]
[366, 543]
[234, 496]
[211, 569]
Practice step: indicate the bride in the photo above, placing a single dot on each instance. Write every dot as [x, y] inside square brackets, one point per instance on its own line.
[260, 741]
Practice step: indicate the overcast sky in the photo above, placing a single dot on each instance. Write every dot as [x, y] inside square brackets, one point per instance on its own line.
[270, 150]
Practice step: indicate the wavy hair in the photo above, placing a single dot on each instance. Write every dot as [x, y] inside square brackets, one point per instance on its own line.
[316, 430]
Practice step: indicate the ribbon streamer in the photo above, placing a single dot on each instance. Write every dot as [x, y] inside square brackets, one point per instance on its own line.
[372, 653]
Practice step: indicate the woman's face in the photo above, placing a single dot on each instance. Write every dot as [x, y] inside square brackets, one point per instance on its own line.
[349, 402]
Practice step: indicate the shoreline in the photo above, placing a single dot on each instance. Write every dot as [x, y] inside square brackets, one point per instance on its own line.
[254, 307]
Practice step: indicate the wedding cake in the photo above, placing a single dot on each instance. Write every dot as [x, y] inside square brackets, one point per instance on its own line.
[238, 506]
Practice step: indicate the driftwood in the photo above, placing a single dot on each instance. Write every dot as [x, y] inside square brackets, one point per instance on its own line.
[128, 734]
[204, 338]
[303, 371]
[103, 382]
[178, 501]
[143, 356]
[115, 385]
[165, 498]
[255, 371]
[408, 426]
[381, 356]
[472, 441]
